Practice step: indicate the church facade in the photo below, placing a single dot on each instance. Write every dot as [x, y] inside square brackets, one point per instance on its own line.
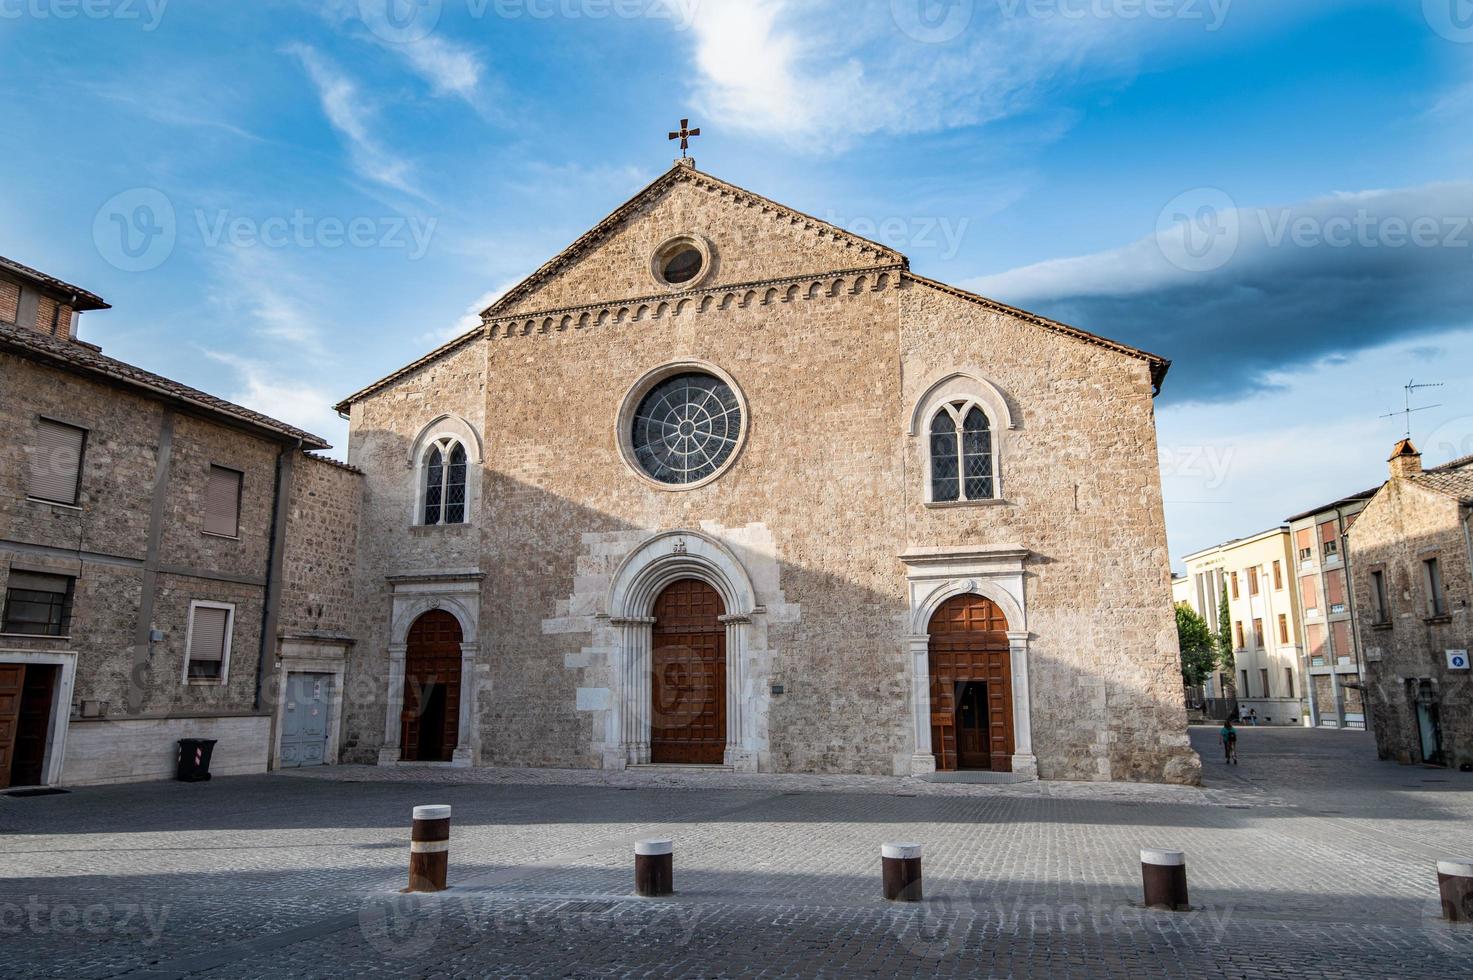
[721, 484]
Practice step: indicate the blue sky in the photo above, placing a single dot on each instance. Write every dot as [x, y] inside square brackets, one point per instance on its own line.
[1275, 195]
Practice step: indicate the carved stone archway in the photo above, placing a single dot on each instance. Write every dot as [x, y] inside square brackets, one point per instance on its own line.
[457, 593]
[658, 562]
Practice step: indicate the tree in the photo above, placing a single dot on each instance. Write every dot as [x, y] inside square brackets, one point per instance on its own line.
[1225, 655]
[1198, 646]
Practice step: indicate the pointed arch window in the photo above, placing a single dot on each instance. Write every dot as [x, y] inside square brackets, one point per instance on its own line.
[961, 454]
[444, 487]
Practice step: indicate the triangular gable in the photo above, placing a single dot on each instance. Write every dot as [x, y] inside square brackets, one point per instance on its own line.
[755, 239]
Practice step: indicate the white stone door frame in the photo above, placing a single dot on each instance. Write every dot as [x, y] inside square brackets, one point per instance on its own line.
[934, 575]
[654, 564]
[61, 704]
[311, 655]
[458, 593]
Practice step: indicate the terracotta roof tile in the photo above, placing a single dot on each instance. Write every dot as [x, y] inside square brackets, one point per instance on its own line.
[86, 300]
[87, 360]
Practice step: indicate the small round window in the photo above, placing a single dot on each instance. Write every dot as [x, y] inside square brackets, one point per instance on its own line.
[682, 262]
[683, 266]
[686, 428]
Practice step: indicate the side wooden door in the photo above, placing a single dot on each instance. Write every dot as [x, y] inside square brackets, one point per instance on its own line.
[12, 683]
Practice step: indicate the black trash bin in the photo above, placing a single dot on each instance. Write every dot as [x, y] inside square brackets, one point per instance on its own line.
[194, 759]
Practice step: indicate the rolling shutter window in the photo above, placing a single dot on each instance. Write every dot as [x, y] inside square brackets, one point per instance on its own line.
[207, 642]
[56, 461]
[222, 501]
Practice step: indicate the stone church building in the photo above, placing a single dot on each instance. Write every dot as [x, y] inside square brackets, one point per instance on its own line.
[722, 484]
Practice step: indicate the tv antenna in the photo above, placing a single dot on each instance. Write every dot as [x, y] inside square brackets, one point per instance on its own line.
[1410, 388]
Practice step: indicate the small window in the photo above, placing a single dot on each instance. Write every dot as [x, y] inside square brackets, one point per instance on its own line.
[1247, 691]
[1289, 681]
[961, 454]
[445, 471]
[1238, 634]
[1263, 679]
[1432, 579]
[1278, 576]
[1253, 581]
[1233, 577]
[1258, 633]
[1283, 629]
[1380, 598]
[208, 656]
[56, 461]
[37, 604]
[222, 501]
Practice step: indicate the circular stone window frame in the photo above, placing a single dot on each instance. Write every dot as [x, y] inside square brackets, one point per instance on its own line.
[672, 247]
[634, 396]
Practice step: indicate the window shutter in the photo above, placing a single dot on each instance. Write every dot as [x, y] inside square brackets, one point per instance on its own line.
[222, 501]
[56, 461]
[207, 641]
[38, 582]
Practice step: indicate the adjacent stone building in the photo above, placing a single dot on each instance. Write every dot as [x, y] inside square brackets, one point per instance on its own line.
[1412, 580]
[722, 484]
[145, 569]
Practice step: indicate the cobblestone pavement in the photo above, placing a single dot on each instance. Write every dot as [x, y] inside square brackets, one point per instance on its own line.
[1310, 859]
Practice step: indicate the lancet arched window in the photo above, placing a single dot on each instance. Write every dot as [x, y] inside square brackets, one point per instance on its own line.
[444, 482]
[961, 454]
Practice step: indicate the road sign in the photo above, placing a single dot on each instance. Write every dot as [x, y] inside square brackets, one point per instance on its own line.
[1457, 660]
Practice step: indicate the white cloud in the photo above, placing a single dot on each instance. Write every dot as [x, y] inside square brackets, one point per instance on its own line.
[290, 400]
[264, 288]
[469, 320]
[451, 69]
[819, 74]
[352, 116]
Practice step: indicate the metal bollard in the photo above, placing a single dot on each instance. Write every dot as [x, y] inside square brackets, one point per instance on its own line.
[1164, 874]
[429, 848]
[1455, 885]
[900, 865]
[654, 867]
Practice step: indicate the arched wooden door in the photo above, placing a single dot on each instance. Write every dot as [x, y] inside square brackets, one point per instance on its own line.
[430, 721]
[971, 686]
[688, 676]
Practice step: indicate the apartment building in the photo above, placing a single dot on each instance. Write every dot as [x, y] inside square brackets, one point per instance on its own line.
[1256, 575]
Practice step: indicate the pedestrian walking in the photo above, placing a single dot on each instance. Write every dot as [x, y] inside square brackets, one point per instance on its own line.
[1229, 736]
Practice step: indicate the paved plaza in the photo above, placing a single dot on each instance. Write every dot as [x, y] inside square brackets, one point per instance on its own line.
[1310, 859]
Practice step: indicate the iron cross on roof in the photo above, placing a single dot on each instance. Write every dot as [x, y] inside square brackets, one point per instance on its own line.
[684, 135]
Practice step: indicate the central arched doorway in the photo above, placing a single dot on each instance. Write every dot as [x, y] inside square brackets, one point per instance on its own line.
[688, 676]
[430, 721]
[971, 685]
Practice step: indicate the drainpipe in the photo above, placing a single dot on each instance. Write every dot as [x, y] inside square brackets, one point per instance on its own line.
[276, 545]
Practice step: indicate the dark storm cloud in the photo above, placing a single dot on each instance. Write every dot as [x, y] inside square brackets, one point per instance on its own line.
[1231, 294]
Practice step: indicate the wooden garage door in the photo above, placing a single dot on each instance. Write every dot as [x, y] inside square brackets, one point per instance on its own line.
[688, 676]
[969, 643]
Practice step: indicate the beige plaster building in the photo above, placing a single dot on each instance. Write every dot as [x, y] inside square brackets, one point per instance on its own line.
[1412, 581]
[1256, 575]
[722, 484]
